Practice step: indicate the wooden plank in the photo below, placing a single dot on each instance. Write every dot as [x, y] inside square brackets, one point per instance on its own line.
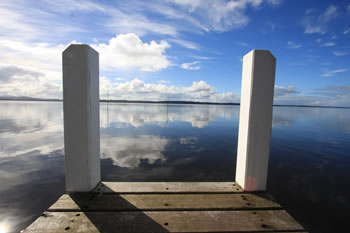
[168, 187]
[165, 221]
[89, 202]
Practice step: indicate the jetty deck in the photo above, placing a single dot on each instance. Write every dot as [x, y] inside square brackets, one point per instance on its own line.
[165, 207]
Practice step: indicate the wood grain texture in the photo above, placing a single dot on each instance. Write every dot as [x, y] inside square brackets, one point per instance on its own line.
[165, 207]
[168, 187]
[88, 202]
[166, 221]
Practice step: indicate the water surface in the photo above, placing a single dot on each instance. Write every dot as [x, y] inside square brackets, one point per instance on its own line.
[308, 170]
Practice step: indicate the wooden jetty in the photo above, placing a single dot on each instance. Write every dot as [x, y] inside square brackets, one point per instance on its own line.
[165, 207]
[94, 206]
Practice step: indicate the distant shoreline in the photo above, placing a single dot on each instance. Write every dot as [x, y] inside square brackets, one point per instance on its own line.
[163, 102]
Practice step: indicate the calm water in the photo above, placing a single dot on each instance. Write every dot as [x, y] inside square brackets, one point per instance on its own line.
[309, 170]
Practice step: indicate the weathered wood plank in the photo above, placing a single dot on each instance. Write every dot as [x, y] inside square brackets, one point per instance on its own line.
[89, 202]
[168, 187]
[165, 221]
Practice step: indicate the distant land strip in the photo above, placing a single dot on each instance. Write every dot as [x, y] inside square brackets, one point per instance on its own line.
[25, 98]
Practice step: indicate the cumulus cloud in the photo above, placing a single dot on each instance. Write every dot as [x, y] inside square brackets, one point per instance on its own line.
[314, 23]
[333, 72]
[9, 73]
[293, 45]
[190, 66]
[129, 51]
[19, 81]
[137, 89]
[46, 59]
[21, 77]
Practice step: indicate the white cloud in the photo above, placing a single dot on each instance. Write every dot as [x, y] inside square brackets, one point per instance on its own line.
[185, 44]
[123, 20]
[339, 53]
[137, 89]
[199, 57]
[19, 81]
[190, 66]
[178, 16]
[348, 8]
[129, 51]
[328, 44]
[21, 20]
[318, 23]
[8, 73]
[46, 58]
[201, 86]
[39, 74]
[293, 45]
[65, 6]
[28, 73]
[333, 72]
[219, 15]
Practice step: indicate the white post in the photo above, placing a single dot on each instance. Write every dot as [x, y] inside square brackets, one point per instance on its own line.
[258, 79]
[81, 118]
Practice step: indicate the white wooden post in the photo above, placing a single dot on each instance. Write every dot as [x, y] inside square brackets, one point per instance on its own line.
[81, 118]
[258, 79]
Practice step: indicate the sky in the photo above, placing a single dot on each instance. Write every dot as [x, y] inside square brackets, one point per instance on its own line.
[179, 49]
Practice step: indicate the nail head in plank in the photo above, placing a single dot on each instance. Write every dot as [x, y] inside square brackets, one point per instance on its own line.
[168, 187]
[166, 221]
[86, 201]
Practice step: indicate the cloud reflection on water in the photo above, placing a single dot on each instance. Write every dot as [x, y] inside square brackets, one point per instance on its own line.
[137, 115]
[156, 142]
[129, 151]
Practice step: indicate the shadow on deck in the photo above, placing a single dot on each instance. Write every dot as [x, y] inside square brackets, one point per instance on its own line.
[165, 207]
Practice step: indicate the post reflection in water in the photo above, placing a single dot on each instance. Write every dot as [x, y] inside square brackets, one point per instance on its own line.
[159, 142]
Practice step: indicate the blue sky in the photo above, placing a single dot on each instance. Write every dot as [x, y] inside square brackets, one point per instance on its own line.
[179, 49]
